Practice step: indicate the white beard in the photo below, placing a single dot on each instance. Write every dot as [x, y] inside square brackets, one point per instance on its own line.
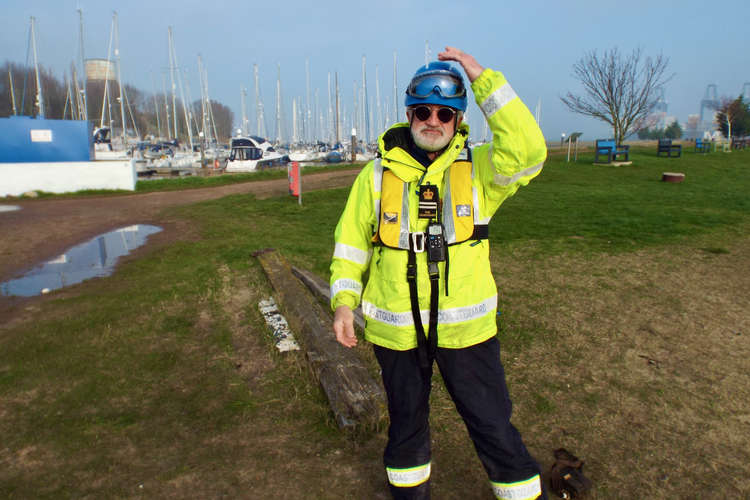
[430, 142]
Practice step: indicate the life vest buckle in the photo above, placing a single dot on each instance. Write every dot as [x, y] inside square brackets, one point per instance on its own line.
[417, 242]
[411, 271]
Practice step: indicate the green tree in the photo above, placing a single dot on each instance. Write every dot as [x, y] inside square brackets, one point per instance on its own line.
[735, 115]
[673, 131]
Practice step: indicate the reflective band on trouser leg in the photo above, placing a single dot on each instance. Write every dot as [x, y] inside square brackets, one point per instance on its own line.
[406, 478]
[522, 490]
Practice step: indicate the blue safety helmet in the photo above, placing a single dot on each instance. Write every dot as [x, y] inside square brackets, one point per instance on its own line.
[437, 83]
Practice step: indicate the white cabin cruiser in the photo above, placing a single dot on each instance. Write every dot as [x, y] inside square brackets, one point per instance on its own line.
[249, 154]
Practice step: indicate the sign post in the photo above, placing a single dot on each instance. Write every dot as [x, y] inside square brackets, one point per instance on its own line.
[294, 175]
[574, 138]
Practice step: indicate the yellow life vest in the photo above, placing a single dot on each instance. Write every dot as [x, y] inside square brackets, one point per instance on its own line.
[460, 211]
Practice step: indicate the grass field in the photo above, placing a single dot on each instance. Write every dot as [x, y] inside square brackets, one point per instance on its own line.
[624, 324]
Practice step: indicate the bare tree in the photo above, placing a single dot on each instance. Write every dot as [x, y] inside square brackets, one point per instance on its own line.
[619, 90]
[224, 117]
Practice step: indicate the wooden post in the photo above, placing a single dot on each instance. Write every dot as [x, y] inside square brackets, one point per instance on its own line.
[322, 290]
[356, 399]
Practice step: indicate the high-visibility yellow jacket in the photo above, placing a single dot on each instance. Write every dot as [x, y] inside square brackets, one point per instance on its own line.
[466, 316]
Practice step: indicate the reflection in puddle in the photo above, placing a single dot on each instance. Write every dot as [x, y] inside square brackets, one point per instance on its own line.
[96, 257]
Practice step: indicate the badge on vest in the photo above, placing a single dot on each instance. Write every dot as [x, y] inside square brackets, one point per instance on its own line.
[428, 201]
[390, 217]
[463, 210]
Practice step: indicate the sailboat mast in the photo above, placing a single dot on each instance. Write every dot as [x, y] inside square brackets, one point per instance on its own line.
[307, 123]
[243, 94]
[355, 110]
[203, 99]
[329, 122]
[77, 93]
[68, 99]
[365, 103]
[174, 85]
[116, 28]
[278, 104]
[39, 93]
[317, 119]
[106, 100]
[295, 138]
[187, 99]
[336, 120]
[379, 124]
[84, 88]
[166, 102]
[259, 118]
[156, 104]
[12, 93]
[396, 116]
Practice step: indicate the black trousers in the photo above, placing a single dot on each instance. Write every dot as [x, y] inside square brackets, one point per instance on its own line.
[475, 379]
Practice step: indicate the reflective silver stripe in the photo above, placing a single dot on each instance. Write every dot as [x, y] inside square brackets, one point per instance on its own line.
[522, 490]
[377, 187]
[504, 180]
[497, 100]
[445, 316]
[354, 254]
[377, 172]
[448, 223]
[448, 215]
[475, 199]
[405, 478]
[403, 237]
[346, 284]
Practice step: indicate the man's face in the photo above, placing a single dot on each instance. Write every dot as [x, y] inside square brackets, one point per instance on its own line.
[431, 134]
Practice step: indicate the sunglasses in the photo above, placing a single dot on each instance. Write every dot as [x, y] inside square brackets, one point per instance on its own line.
[423, 114]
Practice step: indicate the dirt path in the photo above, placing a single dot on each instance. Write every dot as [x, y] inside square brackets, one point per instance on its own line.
[42, 229]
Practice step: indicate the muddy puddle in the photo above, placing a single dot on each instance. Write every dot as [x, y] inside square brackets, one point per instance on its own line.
[94, 258]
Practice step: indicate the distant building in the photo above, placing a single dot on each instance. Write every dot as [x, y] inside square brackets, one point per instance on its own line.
[692, 127]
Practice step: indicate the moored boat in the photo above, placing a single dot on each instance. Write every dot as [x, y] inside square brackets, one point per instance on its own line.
[252, 153]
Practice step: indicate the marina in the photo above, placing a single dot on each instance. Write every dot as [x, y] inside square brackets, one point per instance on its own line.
[165, 132]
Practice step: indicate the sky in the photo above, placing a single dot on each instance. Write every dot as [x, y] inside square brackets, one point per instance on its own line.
[535, 44]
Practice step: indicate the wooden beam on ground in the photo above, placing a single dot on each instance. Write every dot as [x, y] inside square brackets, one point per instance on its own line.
[320, 287]
[356, 399]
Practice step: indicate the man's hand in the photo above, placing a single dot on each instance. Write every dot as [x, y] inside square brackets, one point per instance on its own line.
[470, 65]
[343, 326]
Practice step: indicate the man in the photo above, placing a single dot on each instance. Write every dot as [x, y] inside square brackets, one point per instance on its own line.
[417, 218]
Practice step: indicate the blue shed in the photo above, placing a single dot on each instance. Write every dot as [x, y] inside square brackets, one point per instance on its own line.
[24, 139]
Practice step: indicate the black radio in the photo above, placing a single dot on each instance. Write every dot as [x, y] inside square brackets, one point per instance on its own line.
[435, 242]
